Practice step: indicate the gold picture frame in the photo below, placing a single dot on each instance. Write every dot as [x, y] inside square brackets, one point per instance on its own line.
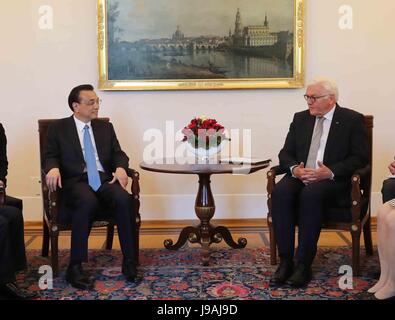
[249, 57]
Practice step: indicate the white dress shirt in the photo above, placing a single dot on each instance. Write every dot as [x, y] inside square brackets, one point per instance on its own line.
[80, 129]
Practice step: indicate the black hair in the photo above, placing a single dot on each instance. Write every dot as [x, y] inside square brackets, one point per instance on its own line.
[74, 95]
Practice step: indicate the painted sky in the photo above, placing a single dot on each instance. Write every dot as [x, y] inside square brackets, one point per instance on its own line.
[154, 19]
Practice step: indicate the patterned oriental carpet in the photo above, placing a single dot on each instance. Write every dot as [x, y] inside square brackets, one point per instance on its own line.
[233, 274]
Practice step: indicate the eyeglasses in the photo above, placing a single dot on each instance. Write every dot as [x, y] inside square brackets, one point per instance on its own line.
[92, 102]
[314, 98]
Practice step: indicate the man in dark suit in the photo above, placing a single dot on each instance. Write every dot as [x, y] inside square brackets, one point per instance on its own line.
[12, 245]
[324, 146]
[83, 158]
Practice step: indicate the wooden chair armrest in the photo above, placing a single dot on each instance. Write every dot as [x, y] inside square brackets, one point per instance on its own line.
[279, 170]
[53, 210]
[132, 173]
[2, 195]
[360, 183]
[50, 202]
[271, 182]
[271, 177]
[135, 176]
[355, 197]
[135, 189]
[364, 172]
[365, 176]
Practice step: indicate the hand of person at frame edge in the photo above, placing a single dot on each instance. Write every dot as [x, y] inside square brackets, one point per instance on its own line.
[53, 179]
[392, 167]
[120, 176]
[309, 175]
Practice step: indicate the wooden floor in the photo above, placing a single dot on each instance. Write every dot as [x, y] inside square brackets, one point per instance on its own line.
[154, 233]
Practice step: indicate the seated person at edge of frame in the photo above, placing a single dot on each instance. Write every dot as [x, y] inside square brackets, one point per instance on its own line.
[12, 242]
[324, 146]
[84, 159]
[385, 287]
[388, 189]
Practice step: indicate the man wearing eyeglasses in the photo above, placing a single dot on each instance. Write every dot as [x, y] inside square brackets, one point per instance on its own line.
[324, 146]
[83, 158]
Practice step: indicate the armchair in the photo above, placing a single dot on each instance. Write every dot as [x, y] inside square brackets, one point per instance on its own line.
[356, 218]
[51, 224]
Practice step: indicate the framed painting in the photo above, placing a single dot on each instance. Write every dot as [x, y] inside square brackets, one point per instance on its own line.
[190, 45]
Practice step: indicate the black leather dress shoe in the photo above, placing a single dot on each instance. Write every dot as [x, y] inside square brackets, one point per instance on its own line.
[300, 277]
[283, 272]
[12, 291]
[129, 269]
[77, 277]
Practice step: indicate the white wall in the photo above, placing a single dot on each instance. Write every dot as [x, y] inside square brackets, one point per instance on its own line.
[38, 69]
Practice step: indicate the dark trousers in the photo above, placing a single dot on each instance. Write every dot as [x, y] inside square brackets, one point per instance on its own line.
[12, 245]
[388, 190]
[294, 203]
[84, 205]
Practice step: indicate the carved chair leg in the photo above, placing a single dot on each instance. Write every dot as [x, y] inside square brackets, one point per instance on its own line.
[45, 245]
[273, 246]
[137, 242]
[54, 254]
[355, 252]
[271, 182]
[110, 236]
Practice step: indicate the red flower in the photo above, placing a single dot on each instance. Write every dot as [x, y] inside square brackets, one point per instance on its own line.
[202, 131]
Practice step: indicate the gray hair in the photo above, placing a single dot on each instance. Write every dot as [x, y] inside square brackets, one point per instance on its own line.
[329, 86]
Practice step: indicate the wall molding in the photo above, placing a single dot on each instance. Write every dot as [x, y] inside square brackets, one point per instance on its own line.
[167, 225]
[170, 207]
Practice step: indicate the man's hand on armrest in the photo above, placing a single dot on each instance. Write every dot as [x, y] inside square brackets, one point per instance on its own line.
[120, 176]
[53, 179]
[1, 184]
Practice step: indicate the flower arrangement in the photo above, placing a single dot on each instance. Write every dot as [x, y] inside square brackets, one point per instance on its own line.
[203, 132]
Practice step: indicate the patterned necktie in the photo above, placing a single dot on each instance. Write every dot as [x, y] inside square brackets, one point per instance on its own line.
[93, 174]
[315, 143]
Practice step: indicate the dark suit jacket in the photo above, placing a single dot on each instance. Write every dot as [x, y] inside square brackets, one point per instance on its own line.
[63, 149]
[346, 148]
[9, 201]
[3, 155]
